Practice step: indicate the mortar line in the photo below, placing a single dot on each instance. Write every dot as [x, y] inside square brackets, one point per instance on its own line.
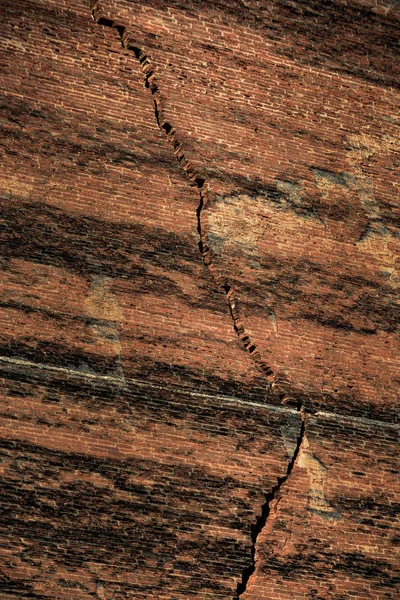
[124, 385]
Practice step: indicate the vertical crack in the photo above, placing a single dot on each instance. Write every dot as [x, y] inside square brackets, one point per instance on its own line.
[233, 303]
[196, 180]
[259, 525]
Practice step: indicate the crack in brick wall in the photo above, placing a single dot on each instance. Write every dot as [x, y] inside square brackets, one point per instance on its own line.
[197, 180]
[65, 425]
[286, 297]
[233, 303]
[270, 498]
[302, 455]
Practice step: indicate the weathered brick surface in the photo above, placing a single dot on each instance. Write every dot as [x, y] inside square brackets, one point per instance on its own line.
[332, 531]
[149, 449]
[93, 202]
[145, 492]
[297, 143]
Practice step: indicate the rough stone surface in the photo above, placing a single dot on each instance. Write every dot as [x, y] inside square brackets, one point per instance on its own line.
[199, 299]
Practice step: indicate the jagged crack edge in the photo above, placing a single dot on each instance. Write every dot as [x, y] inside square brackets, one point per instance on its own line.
[199, 182]
[233, 303]
[259, 525]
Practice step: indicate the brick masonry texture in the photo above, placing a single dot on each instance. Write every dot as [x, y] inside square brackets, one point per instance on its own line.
[199, 299]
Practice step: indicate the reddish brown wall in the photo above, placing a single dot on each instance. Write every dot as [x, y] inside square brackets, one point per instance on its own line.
[174, 419]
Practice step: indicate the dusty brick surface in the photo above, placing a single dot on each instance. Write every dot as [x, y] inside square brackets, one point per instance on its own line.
[199, 236]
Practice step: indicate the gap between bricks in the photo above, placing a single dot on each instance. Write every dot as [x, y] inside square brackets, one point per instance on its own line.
[201, 184]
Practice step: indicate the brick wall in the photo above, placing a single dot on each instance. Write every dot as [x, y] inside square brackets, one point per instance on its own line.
[198, 300]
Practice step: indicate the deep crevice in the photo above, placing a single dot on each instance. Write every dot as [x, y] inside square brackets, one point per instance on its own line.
[198, 181]
[259, 525]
